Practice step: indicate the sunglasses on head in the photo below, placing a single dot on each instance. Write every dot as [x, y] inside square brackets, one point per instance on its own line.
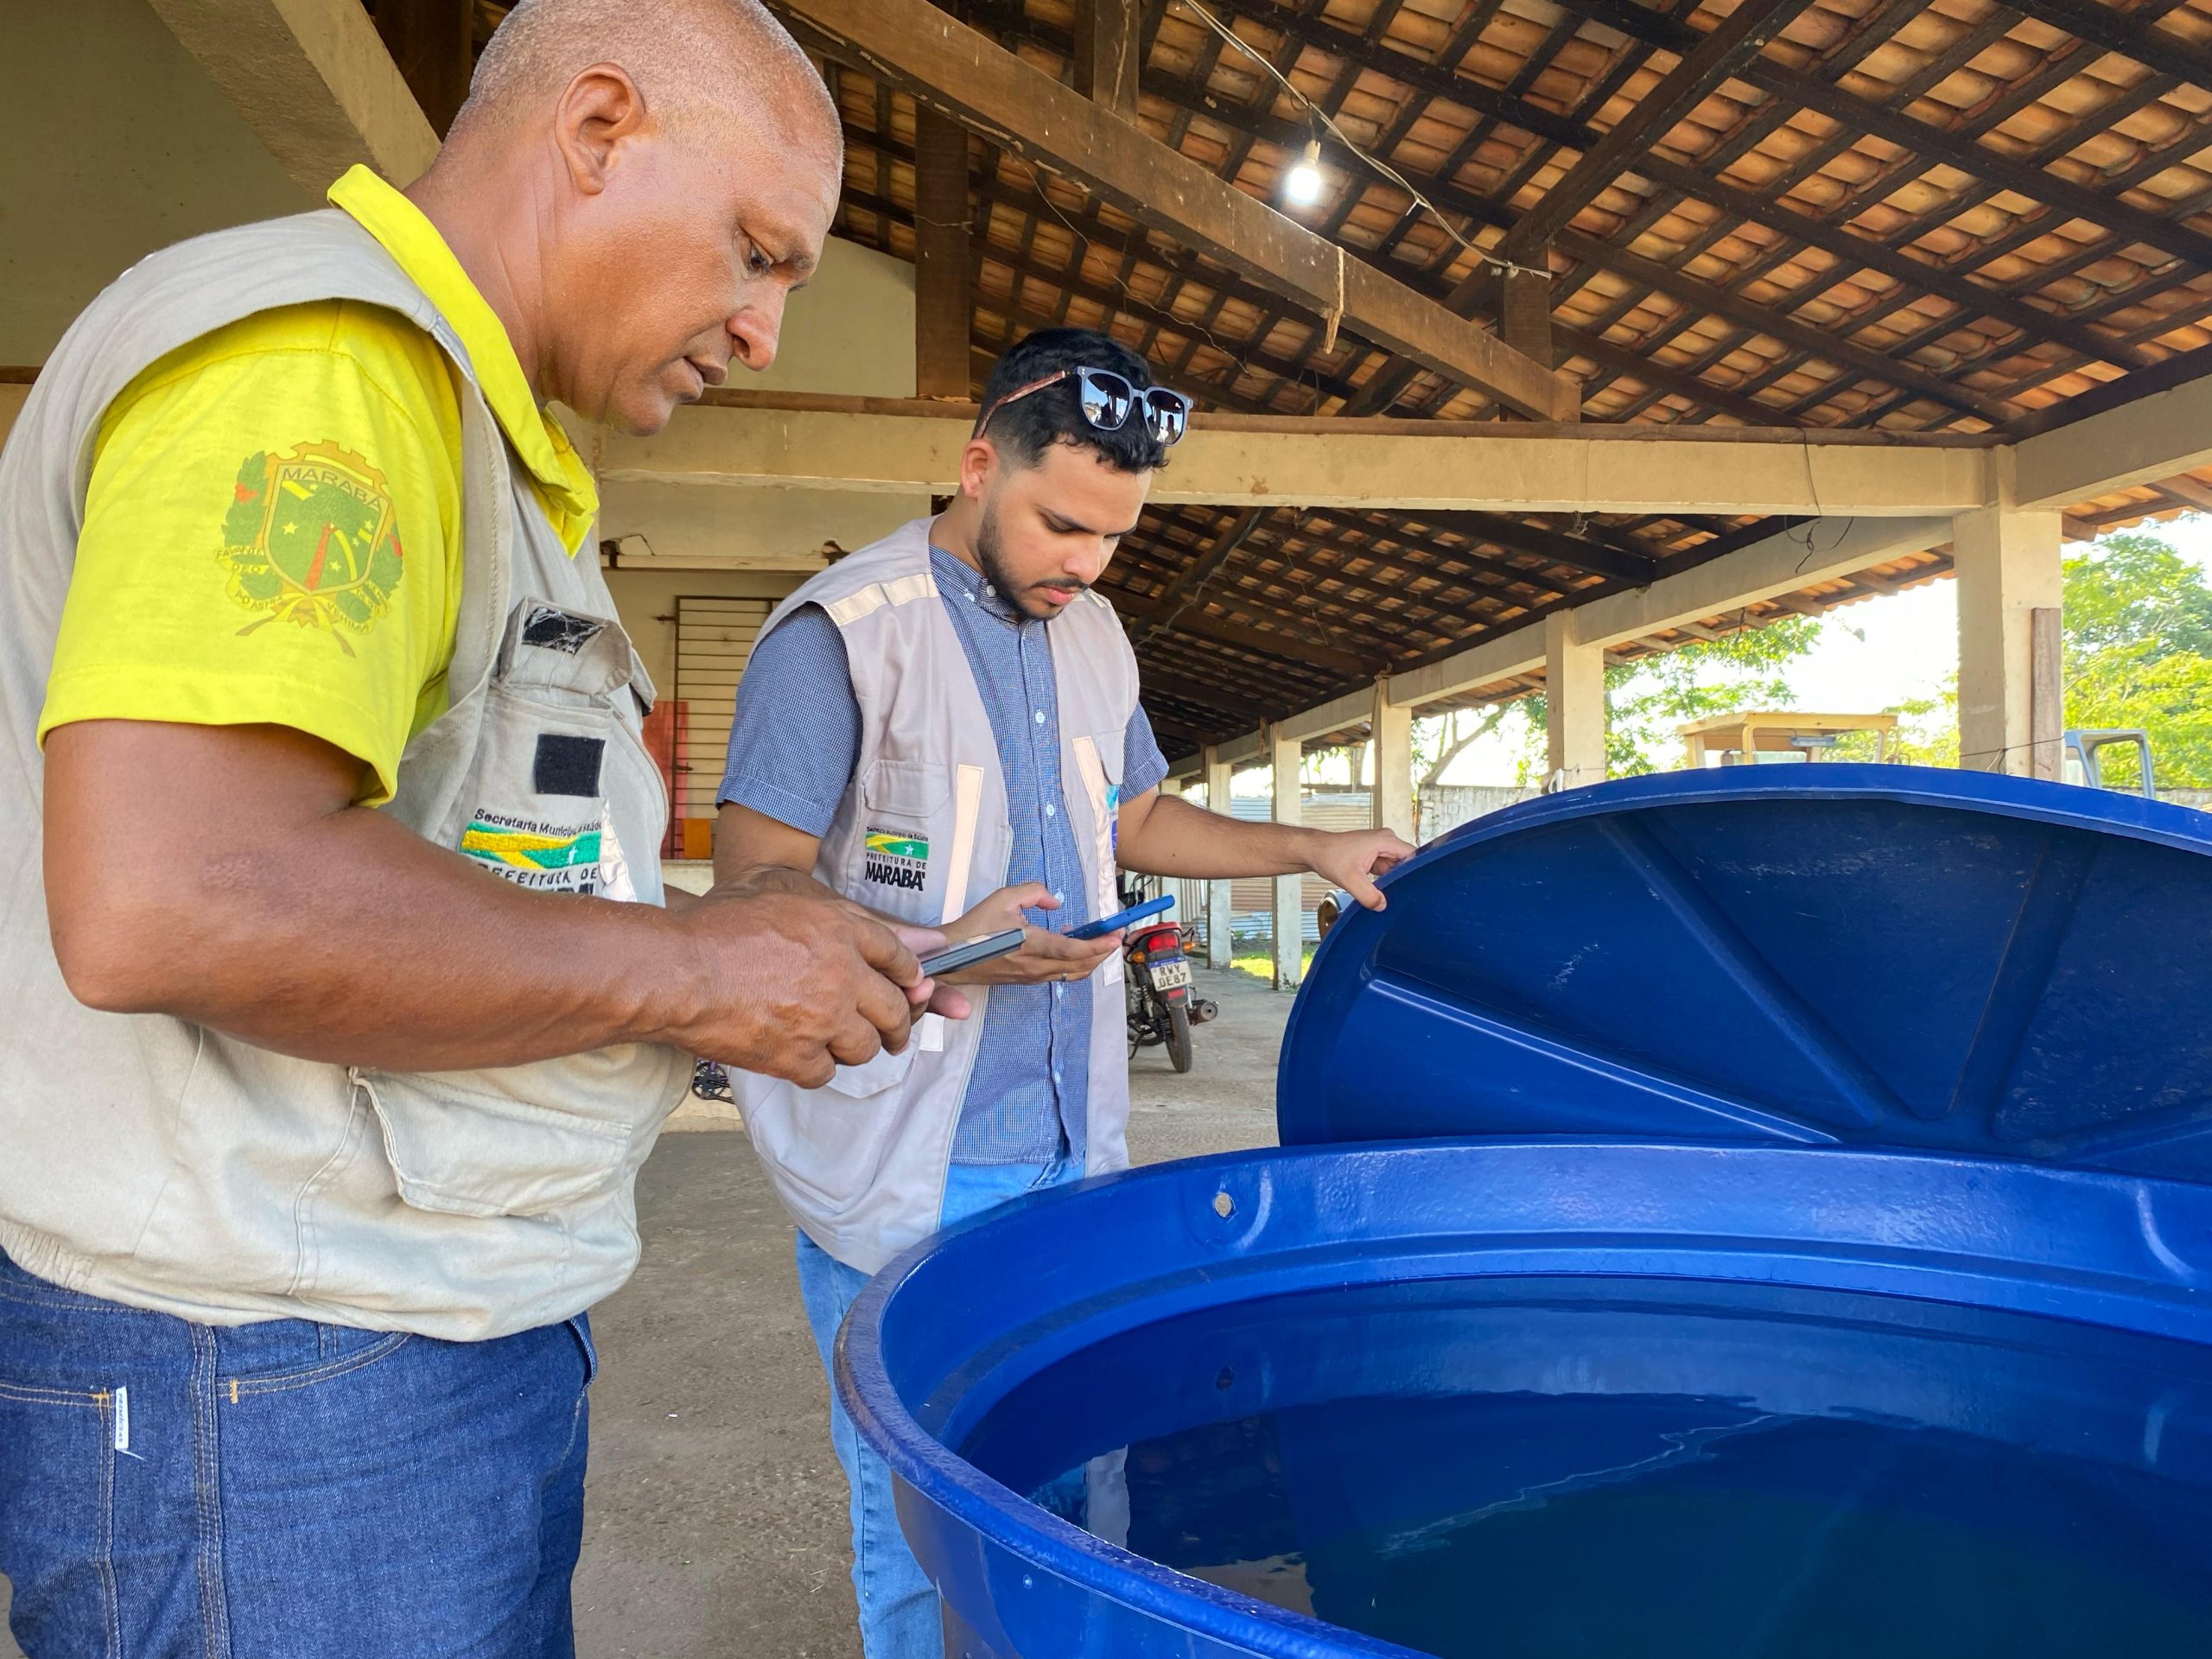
[1108, 400]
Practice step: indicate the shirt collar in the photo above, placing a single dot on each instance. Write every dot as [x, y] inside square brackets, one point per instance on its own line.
[964, 580]
[564, 481]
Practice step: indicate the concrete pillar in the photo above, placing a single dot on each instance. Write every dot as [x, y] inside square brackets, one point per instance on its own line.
[1392, 734]
[1220, 781]
[1574, 702]
[1283, 756]
[2007, 562]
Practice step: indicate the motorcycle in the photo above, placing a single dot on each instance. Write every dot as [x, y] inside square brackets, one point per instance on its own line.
[1162, 1010]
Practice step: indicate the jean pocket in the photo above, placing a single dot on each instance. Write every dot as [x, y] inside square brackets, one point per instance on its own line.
[349, 1351]
[57, 1517]
[581, 1326]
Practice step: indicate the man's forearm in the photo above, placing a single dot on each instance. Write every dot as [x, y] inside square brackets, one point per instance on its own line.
[1178, 839]
[282, 914]
[359, 942]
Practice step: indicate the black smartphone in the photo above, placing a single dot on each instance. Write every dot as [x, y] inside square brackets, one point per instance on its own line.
[1134, 913]
[968, 952]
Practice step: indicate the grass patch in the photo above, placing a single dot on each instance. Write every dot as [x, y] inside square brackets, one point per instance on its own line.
[1261, 964]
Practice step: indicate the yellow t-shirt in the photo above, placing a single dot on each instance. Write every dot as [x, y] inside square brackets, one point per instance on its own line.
[273, 530]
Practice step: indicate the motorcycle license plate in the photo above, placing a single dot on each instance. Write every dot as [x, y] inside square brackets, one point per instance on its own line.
[1171, 976]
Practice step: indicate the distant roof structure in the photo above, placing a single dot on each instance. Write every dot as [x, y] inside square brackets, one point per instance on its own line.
[1913, 216]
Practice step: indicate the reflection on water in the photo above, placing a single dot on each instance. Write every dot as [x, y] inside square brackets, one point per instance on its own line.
[1657, 1470]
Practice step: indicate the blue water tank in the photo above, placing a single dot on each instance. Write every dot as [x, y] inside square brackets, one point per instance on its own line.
[1704, 1199]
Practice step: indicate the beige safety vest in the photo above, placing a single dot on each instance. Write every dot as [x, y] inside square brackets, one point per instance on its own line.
[164, 1165]
[860, 1164]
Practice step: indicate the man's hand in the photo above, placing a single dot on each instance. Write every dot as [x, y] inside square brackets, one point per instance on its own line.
[750, 881]
[795, 985]
[1044, 955]
[1352, 858]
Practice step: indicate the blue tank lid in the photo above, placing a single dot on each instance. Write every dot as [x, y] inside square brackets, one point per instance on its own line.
[1820, 955]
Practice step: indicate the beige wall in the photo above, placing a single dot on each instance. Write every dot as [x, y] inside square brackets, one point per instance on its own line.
[645, 601]
[850, 330]
[127, 147]
[121, 145]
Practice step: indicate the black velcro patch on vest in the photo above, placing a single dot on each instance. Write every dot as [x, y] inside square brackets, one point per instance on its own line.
[567, 766]
[559, 629]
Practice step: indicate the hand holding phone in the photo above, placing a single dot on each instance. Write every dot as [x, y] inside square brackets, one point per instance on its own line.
[966, 954]
[1134, 913]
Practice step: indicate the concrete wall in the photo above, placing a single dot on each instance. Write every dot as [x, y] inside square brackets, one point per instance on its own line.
[850, 330]
[125, 146]
[645, 602]
[121, 145]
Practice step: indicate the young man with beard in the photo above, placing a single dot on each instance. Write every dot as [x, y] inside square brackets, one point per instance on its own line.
[944, 727]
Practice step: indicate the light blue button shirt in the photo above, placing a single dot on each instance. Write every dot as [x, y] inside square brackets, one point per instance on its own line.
[794, 746]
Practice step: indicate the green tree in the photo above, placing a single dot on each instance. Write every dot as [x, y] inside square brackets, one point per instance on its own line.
[2166, 693]
[2131, 590]
[1647, 700]
[2139, 650]
[1928, 728]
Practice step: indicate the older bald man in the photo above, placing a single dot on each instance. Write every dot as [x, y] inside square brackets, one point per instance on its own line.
[347, 1006]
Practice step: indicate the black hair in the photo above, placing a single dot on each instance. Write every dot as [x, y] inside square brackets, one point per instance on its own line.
[1025, 429]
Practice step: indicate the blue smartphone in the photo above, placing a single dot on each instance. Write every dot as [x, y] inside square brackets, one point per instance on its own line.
[1134, 913]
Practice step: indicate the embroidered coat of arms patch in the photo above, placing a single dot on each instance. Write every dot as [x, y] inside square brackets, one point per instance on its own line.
[313, 538]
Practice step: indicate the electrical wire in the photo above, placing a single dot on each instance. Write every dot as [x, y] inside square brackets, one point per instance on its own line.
[1813, 487]
[1231, 37]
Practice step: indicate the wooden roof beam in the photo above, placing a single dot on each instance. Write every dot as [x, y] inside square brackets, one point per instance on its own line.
[1938, 144]
[1473, 292]
[955, 70]
[1256, 460]
[1825, 344]
[313, 81]
[943, 268]
[433, 44]
[1108, 54]
[1735, 41]
[1860, 252]
[1309, 29]
[1577, 553]
[1812, 90]
[1289, 646]
[1199, 695]
[2116, 31]
[1185, 586]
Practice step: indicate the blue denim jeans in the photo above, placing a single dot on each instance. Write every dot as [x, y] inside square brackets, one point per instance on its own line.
[283, 1490]
[898, 1609]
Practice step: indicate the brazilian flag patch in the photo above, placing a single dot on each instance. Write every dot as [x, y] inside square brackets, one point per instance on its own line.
[896, 861]
[557, 858]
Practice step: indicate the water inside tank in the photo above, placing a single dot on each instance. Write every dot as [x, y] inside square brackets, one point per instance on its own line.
[1647, 1469]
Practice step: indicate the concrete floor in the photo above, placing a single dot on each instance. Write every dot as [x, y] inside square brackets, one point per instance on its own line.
[716, 1515]
[715, 1520]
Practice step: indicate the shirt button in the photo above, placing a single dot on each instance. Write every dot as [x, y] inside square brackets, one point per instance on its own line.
[1059, 989]
[1051, 811]
[1041, 716]
[1060, 898]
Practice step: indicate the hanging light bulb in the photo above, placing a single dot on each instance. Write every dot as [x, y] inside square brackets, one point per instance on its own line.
[1303, 182]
